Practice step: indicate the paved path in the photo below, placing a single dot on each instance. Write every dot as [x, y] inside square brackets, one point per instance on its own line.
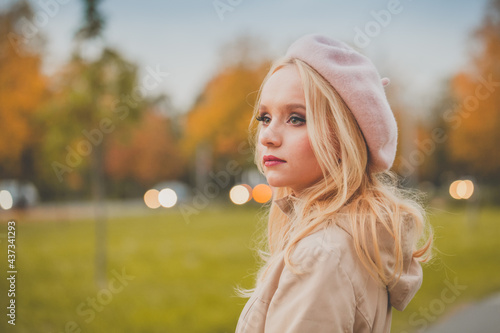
[481, 317]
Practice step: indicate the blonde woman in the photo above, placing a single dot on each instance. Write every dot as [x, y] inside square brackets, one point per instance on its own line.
[344, 243]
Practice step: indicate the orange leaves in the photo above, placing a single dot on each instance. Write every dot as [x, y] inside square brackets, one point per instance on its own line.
[475, 123]
[224, 110]
[22, 88]
[148, 154]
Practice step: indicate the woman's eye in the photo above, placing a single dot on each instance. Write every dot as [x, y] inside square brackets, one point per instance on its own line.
[296, 121]
[264, 119]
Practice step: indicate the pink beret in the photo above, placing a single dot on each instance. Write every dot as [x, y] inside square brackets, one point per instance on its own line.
[359, 84]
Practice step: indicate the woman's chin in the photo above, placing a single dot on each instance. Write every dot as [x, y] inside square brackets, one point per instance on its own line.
[276, 181]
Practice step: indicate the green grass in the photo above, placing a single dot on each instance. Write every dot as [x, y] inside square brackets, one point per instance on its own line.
[183, 274]
[466, 253]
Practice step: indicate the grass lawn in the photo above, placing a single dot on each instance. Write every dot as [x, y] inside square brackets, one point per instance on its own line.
[466, 267]
[166, 275]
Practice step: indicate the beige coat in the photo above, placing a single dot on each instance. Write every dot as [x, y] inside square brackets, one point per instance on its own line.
[335, 294]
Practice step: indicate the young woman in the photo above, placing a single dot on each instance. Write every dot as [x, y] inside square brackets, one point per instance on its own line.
[342, 242]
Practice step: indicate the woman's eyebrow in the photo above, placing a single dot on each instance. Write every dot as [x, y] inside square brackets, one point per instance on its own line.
[286, 107]
[262, 108]
[294, 106]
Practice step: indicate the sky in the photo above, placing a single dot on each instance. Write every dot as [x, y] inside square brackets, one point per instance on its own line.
[418, 43]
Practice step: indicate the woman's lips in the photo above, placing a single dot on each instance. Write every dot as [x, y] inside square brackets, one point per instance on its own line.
[270, 160]
[272, 163]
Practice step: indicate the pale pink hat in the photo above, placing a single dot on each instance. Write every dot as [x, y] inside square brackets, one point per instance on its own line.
[359, 84]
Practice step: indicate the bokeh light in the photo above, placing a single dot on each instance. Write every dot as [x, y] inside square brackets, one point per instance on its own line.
[6, 200]
[453, 189]
[151, 199]
[167, 197]
[240, 194]
[262, 193]
[461, 189]
[469, 189]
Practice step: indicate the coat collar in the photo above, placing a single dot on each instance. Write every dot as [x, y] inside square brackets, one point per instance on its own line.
[287, 204]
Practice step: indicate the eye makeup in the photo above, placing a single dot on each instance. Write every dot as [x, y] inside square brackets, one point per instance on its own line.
[295, 118]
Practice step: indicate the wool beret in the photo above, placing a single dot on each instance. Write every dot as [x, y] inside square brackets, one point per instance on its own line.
[358, 82]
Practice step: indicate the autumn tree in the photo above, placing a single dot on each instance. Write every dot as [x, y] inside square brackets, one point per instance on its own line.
[146, 154]
[217, 124]
[95, 97]
[22, 89]
[475, 122]
[89, 101]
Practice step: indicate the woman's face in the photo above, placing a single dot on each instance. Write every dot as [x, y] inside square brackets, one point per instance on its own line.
[283, 133]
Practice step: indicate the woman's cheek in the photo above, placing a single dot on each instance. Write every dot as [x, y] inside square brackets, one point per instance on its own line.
[302, 147]
[259, 152]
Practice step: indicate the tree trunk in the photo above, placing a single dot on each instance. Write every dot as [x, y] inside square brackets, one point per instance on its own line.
[98, 196]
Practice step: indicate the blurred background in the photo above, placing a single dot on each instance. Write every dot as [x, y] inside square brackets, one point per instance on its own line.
[126, 166]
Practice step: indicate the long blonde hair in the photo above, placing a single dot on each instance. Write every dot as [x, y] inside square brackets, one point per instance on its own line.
[347, 182]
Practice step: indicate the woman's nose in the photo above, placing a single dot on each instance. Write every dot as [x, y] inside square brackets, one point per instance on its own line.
[270, 136]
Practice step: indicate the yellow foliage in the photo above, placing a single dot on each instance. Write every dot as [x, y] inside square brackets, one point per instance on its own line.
[223, 112]
[475, 124]
[21, 92]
